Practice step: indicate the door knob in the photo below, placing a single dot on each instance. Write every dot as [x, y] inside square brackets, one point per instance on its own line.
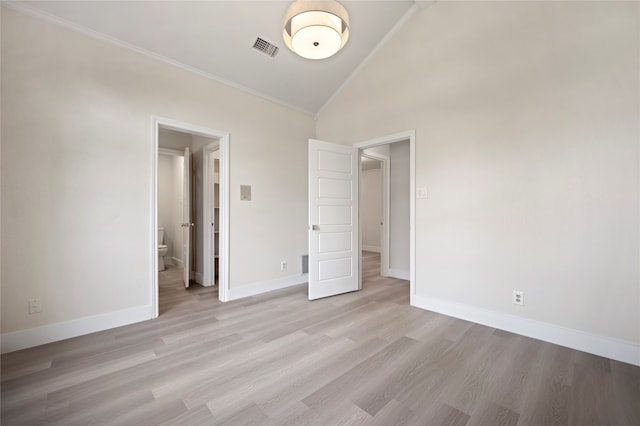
[315, 227]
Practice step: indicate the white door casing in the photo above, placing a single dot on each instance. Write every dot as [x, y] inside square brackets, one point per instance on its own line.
[186, 216]
[409, 135]
[158, 123]
[333, 219]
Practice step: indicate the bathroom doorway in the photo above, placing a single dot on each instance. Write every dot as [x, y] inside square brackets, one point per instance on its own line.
[190, 204]
[173, 204]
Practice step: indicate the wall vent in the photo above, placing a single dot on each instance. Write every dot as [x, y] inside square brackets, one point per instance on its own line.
[265, 47]
[305, 263]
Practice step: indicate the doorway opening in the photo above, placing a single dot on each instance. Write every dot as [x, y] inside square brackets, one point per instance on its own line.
[335, 215]
[374, 201]
[387, 185]
[190, 209]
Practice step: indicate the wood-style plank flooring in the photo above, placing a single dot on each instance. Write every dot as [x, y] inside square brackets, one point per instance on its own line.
[278, 359]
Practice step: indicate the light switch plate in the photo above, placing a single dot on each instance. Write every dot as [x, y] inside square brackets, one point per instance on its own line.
[421, 192]
[35, 306]
[245, 192]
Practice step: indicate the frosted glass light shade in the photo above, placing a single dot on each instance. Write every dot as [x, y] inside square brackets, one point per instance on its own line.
[316, 29]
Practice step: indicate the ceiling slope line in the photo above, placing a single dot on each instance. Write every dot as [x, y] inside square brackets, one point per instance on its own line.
[36, 13]
[408, 14]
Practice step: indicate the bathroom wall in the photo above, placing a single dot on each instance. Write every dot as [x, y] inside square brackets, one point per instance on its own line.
[166, 200]
[170, 188]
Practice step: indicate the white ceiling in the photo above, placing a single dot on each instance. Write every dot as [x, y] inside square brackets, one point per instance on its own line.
[216, 38]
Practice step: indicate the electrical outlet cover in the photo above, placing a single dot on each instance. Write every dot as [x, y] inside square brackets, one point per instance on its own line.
[518, 297]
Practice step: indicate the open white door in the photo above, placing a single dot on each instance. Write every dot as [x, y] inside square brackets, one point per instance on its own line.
[333, 219]
[186, 216]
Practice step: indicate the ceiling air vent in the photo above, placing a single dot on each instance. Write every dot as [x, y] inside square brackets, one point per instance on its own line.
[266, 47]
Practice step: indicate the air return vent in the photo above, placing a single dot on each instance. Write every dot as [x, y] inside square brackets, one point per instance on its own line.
[266, 47]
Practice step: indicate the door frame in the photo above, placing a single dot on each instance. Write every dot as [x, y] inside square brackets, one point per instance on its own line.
[223, 137]
[409, 135]
[386, 184]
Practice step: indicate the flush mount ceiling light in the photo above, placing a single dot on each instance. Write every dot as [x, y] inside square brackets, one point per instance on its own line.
[316, 29]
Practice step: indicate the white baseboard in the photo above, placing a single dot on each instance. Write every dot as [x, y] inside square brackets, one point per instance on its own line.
[608, 347]
[401, 274]
[176, 262]
[265, 286]
[66, 329]
[375, 249]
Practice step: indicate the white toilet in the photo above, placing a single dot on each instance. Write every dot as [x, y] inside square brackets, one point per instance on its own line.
[162, 249]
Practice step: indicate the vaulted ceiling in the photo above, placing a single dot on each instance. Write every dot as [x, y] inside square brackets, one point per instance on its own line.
[216, 38]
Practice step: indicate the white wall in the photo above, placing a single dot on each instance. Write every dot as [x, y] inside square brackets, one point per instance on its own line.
[399, 188]
[371, 208]
[526, 119]
[84, 105]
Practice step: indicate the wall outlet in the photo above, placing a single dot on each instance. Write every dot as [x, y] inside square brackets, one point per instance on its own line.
[518, 297]
[283, 265]
[35, 306]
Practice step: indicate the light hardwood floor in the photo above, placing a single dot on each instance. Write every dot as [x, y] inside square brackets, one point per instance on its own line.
[364, 357]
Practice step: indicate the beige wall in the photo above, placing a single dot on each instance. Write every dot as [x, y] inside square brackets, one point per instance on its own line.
[399, 203]
[167, 199]
[526, 118]
[76, 172]
[371, 191]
